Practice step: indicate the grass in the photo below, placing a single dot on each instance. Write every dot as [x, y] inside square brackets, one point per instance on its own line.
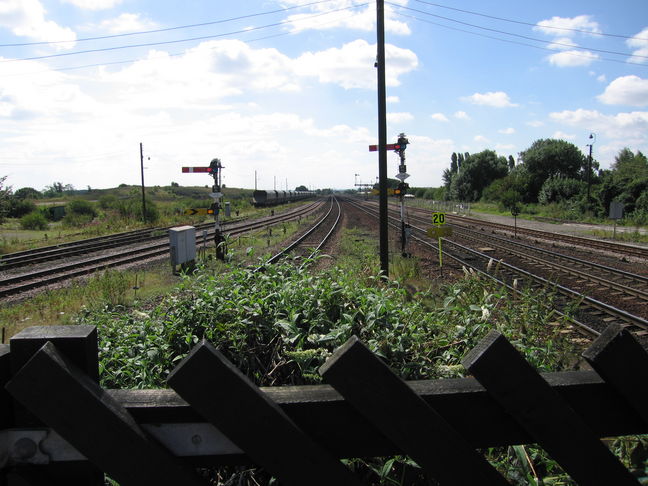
[626, 236]
[108, 290]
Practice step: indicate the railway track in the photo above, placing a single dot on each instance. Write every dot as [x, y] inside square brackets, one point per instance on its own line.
[313, 240]
[588, 315]
[607, 284]
[23, 282]
[577, 241]
[588, 244]
[91, 245]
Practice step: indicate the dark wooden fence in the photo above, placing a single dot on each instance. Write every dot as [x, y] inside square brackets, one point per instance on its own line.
[58, 426]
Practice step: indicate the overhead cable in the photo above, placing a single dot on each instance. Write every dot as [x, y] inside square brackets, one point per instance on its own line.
[177, 41]
[604, 34]
[166, 29]
[571, 46]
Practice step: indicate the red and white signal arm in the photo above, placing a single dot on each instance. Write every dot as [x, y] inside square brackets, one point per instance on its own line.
[196, 169]
[389, 146]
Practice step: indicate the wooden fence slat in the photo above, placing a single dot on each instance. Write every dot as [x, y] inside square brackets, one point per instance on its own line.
[6, 413]
[63, 397]
[507, 376]
[229, 400]
[623, 363]
[77, 343]
[398, 412]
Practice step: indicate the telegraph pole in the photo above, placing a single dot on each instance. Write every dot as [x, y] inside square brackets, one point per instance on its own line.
[142, 169]
[382, 138]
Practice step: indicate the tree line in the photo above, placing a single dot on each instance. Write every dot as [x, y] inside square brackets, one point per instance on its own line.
[549, 172]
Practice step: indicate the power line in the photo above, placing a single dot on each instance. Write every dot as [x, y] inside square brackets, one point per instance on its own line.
[517, 35]
[509, 41]
[128, 61]
[167, 29]
[529, 23]
[191, 39]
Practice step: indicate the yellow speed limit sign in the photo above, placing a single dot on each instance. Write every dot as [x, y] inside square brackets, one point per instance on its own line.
[438, 218]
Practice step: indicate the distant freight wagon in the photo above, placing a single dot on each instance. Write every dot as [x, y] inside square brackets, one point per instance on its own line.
[272, 198]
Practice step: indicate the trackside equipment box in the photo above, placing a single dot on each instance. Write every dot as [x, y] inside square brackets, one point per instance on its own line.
[182, 240]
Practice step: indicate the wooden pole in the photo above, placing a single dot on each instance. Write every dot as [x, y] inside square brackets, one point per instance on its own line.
[142, 170]
[382, 138]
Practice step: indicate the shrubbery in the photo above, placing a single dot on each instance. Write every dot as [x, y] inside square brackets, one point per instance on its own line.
[34, 221]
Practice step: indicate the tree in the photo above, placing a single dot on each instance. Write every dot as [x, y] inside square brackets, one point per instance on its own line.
[5, 195]
[301, 188]
[478, 172]
[27, 193]
[511, 163]
[551, 157]
[626, 182]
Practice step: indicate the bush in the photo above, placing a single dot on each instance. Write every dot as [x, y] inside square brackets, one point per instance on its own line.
[108, 201]
[34, 221]
[558, 189]
[81, 207]
[19, 208]
[132, 208]
[76, 220]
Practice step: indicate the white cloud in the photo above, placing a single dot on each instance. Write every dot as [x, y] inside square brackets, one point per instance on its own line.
[562, 44]
[393, 99]
[94, 4]
[399, 117]
[504, 146]
[27, 18]
[601, 78]
[562, 29]
[640, 43]
[558, 26]
[633, 125]
[507, 131]
[461, 115]
[535, 123]
[573, 58]
[563, 136]
[497, 99]
[352, 65]
[481, 139]
[439, 117]
[626, 90]
[126, 22]
[319, 19]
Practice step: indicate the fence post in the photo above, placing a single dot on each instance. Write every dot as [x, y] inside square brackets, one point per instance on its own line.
[226, 398]
[623, 363]
[79, 344]
[402, 415]
[94, 423]
[6, 413]
[524, 394]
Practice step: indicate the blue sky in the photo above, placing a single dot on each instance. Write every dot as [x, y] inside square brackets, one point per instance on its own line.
[288, 88]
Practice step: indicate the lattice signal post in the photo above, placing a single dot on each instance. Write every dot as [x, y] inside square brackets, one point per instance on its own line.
[215, 168]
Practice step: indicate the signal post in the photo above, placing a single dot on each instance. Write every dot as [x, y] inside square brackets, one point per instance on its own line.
[402, 188]
[215, 168]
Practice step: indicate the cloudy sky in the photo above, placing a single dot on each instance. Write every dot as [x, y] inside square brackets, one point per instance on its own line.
[288, 88]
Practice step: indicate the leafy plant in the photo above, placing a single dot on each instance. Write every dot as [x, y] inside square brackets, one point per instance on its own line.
[34, 221]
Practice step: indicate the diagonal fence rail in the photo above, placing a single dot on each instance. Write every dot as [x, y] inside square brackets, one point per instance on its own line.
[58, 426]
